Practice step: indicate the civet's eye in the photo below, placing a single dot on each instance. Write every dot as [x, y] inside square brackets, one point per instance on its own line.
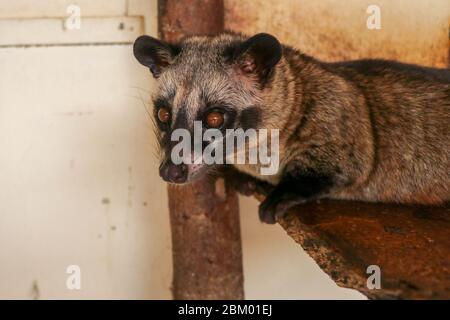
[214, 119]
[163, 115]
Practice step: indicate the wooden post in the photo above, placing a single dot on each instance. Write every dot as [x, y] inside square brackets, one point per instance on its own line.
[204, 217]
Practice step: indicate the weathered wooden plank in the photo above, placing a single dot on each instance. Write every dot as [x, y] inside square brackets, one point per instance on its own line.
[147, 9]
[53, 31]
[410, 245]
[58, 8]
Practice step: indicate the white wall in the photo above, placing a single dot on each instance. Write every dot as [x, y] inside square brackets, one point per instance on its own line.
[79, 182]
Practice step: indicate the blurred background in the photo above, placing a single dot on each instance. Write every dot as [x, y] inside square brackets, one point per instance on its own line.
[79, 183]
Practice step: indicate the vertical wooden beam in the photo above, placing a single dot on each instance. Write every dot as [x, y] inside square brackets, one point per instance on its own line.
[206, 241]
[177, 19]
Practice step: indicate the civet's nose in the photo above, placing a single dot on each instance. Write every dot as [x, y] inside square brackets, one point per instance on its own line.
[175, 173]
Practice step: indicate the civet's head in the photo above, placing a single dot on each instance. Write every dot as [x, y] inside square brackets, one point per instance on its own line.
[221, 81]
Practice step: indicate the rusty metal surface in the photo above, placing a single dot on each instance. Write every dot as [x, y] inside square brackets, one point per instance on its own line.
[206, 241]
[410, 244]
[333, 30]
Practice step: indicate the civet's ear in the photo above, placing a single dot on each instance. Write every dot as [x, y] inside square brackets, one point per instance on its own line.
[154, 54]
[258, 55]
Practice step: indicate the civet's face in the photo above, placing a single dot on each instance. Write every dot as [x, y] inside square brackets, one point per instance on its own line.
[215, 81]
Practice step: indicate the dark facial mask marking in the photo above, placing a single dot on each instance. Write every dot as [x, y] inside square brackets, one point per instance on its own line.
[250, 118]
